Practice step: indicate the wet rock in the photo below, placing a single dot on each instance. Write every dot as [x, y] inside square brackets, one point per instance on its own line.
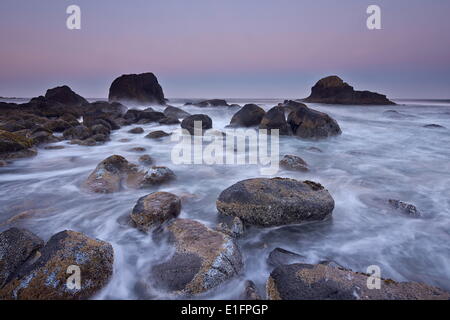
[249, 116]
[234, 228]
[99, 138]
[143, 117]
[58, 125]
[100, 129]
[146, 160]
[276, 119]
[333, 90]
[314, 149]
[157, 175]
[157, 134]
[42, 136]
[137, 130]
[175, 112]
[79, 132]
[65, 96]
[138, 149]
[275, 202]
[90, 142]
[279, 257]
[155, 209]
[17, 246]
[140, 88]
[433, 126]
[212, 103]
[250, 292]
[54, 147]
[46, 278]
[394, 114]
[322, 282]
[169, 120]
[14, 146]
[293, 163]
[405, 208]
[203, 259]
[3, 163]
[189, 122]
[311, 124]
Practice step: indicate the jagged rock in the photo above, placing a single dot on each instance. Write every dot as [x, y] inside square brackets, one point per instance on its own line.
[155, 209]
[203, 259]
[141, 88]
[189, 122]
[47, 276]
[276, 119]
[322, 282]
[275, 202]
[293, 163]
[333, 90]
[249, 116]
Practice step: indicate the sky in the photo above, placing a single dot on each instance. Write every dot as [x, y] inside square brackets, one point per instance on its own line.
[226, 48]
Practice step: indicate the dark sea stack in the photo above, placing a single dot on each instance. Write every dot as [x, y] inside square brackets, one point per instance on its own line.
[155, 209]
[203, 259]
[325, 282]
[249, 116]
[17, 246]
[65, 96]
[276, 202]
[189, 122]
[46, 278]
[333, 90]
[139, 88]
[275, 119]
[307, 123]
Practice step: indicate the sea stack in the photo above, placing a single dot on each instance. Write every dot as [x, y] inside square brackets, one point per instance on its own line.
[138, 88]
[333, 90]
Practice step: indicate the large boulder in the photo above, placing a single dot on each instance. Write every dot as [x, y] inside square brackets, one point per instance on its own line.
[320, 282]
[14, 146]
[189, 122]
[275, 119]
[274, 202]
[140, 88]
[155, 209]
[46, 278]
[203, 259]
[17, 246]
[249, 116]
[333, 90]
[311, 124]
[65, 96]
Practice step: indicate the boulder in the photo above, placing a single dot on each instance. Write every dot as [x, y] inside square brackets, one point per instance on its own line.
[275, 119]
[58, 125]
[169, 120]
[156, 176]
[175, 112]
[189, 122]
[333, 90]
[249, 116]
[279, 257]
[80, 132]
[311, 124]
[212, 103]
[293, 163]
[203, 259]
[433, 126]
[324, 282]
[275, 202]
[47, 277]
[41, 136]
[100, 129]
[17, 246]
[157, 134]
[140, 88]
[137, 130]
[405, 208]
[155, 209]
[14, 146]
[65, 96]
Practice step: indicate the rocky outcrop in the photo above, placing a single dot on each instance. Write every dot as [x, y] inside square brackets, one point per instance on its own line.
[203, 259]
[46, 277]
[140, 88]
[293, 163]
[333, 90]
[275, 202]
[14, 146]
[249, 116]
[275, 119]
[311, 124]
[155, 209]
[65, 96]
[324, 282]
[188, 123]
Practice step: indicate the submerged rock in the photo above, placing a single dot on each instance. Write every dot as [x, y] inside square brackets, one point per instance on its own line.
[275, 202]
[333, 90]
[212, 103]
[157, 134]
[146, 160]
[319, 282]
[80, 132]
[47, 277]
[249, 116]
[203, 259]
[157, 175]
[279, 257]
[405, 208]
[155, 209]
[433, 126]
[293, 163]
[140, 88]
[189, 122]
[136, 130]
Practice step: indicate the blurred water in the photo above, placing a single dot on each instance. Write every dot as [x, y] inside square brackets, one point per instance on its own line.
[379, 155]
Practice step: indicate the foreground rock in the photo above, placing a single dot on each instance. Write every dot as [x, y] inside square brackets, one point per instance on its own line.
[46, 277]
[203, 259]
[17, 246]
[275, 202]
[280, 257]
[141, 88]
[319, 282]
[333, 90]
[249, 116]
[155, 209]
[293, 163]
[203, 121]
[14, 146]
[311, 124]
